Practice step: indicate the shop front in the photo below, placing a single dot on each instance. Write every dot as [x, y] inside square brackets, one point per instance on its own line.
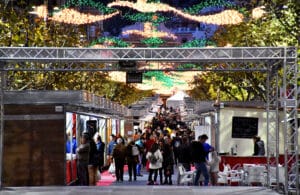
[42, 130]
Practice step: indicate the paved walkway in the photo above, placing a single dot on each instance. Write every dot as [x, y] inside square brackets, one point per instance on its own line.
[137, 190]
[108, 186]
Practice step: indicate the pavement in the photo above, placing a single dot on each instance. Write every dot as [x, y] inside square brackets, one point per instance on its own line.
[137, 190]
[107, 186]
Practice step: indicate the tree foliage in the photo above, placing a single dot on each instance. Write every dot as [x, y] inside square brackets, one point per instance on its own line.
[278, 27]
[266, 31]
[239, 86]
[19, 28]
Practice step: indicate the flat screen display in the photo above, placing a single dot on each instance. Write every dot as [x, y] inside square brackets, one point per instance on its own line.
[244, 127]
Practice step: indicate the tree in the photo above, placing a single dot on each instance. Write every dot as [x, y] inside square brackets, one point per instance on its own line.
[237, 86]
[19, 28]
[268, 30]
[277, 27]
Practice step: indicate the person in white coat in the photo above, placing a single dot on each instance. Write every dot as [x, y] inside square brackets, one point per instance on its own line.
[214, 167]
[155, 158]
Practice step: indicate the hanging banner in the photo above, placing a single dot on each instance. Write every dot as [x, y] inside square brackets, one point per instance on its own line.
[200, 130]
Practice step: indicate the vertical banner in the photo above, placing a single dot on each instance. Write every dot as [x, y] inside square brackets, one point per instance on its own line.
[73, 124]
[199, 130]
[122, 127]
[113, 126]
[102, 128]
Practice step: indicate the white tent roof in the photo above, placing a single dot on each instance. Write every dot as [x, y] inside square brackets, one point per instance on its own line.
[180, 95]
[177, 100]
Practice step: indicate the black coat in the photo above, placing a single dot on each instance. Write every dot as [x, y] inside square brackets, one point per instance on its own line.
[184, 153]
[197, 152]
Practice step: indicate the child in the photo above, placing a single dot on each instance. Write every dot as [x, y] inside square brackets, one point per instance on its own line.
[214, 167]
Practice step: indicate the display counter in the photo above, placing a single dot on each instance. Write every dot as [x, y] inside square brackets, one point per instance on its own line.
[238, 161]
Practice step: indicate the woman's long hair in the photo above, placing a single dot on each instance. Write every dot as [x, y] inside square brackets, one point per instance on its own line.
[154, 147]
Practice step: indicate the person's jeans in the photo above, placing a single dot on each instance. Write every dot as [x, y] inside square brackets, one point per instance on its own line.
[138, 169]
[139, 165]
[151, 172]
[119, 169]
[132, 170]
[201, 168]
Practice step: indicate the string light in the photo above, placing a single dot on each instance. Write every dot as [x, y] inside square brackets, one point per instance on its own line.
[41, 11]
[150, 34]
[223, 18]
[150, 31]
[72, 16]
[258, 12]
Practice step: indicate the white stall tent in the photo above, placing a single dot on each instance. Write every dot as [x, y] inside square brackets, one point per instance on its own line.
[177, 100]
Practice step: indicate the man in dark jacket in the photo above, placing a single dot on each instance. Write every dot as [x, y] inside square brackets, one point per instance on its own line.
[119, 156]
[198, 157]
[259, 146]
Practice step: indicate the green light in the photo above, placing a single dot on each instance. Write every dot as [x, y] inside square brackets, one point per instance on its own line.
[199, 43]
[90, 3]
[153, 41]
[160, 76]
[155, 18]
[194, 10]
[115, 42]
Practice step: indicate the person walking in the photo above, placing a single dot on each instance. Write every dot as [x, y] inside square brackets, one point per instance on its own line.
[140, 143]
[168, 163]
[214, 167]
[119, 157]
[100, 151]
[155, 158]
[198, 156]
[176, 142]
[110, 147]
[132, 157]
[207, 147]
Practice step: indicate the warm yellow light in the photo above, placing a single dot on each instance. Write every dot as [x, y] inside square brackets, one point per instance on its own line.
[149, 34]
[41, 11]
[150, 31]
[223, 18]
[72, 16]
[258, 12]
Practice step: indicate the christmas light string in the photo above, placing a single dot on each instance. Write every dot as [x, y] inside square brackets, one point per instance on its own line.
[223, 18]
[71, 16]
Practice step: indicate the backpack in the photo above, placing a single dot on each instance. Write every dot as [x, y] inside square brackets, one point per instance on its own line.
[135, 150]
[152, 159]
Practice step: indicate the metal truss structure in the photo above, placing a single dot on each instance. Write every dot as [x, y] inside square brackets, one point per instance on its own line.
[90, 59]
[270, 60]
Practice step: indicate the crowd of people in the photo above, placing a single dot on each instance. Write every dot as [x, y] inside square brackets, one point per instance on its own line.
[164, 143]
[160, 147]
